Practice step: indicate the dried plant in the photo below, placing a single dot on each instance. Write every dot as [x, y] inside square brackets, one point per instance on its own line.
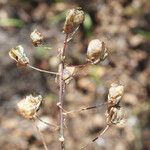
[96, 52]
[29, 106]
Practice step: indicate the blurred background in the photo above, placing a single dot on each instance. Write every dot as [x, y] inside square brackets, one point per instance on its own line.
[124, 25]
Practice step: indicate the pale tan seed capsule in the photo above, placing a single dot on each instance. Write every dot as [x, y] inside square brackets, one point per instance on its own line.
[79, 16]
[28, 106]
[19, 55]
[115, 94]
[96, 51]
[115, 116]
[74, 18]
[36, 38]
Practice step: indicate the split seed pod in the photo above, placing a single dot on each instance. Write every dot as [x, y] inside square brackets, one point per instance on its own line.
[115, 116]
[36, 38]
[19, 55]
[96, 51]
[29, 106]
[115, 94]
[74, 18]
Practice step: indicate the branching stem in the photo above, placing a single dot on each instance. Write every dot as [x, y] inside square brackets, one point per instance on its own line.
[48, 124]
[95, 139]
[72, 35]
[84, 109]
[41, 135]
[44, 71]
[61, 93]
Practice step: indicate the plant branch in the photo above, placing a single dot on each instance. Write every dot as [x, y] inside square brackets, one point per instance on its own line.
[72, 35]
[41, 70]
[83, 109]
[61, 93]
[95, 139]
[41, 135]
[81, 65]
[48, 124]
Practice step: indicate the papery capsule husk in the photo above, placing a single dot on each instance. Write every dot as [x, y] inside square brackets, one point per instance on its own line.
[96, 51]
[115, 94]
[74, 18]
[36, 37]
[19, 55]
[115, 116]
[29, 106]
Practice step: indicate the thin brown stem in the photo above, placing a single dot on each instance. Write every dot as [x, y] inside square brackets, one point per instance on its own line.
[72, 35]
[84, 109]
[48, 124]
[61, 93]
[44, 71]
[96, 138]
[41, 135]
[81, 65]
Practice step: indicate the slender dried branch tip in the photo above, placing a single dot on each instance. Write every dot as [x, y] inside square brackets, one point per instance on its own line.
[36, 37]
[28, 106]
[19, 55]
[96, 51]
[74, 18]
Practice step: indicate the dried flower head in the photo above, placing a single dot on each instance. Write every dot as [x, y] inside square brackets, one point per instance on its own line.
[36, 38]
[19, 55]
[74, 18]
[96, 51]
[115, 116]
[115, 94]
[28, 106]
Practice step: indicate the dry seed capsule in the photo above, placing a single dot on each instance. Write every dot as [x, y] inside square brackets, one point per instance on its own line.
[36, 38]
[19, 55]
[96, 51]
[28, 106]
[115, 116]
[74, 18]
[115, 94]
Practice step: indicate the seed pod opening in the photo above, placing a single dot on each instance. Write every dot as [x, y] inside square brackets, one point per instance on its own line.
[96, 51]
[36, 38]
[19, 55]
[28, 106]
[74, 18]
[115, 94]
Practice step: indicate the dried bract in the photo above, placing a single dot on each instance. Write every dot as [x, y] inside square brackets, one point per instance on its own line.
[74, 18]
[115, 94]
[19, 55]
[36, 38]
[96, 51]
[28, 106]
[115, 116]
